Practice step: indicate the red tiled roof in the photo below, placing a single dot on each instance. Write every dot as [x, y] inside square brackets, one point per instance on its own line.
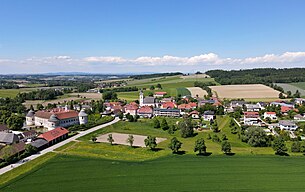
[168, 105]
[131, 107]
[251, 114]
[160, 93]
[145, 109]
[193, 104]
[53, 134]
[60, 113]
[194, 112]
[285, 109]
[271, 113]
[184, 106]
[66, 114]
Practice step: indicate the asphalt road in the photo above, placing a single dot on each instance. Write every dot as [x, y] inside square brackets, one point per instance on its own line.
[53, 147]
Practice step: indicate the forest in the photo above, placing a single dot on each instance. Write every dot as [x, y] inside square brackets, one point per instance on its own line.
[146, 76]
[260, 75]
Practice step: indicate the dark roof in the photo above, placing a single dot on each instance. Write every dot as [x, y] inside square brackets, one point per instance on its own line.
[8, 138]
[209, 113]
[31, 113]
[167, 110]
[149, 100]
[3, 127]
[29, 133]
[39, 142]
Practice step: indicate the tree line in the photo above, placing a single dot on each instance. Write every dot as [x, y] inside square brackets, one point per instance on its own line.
[42, 94]
[146, 76]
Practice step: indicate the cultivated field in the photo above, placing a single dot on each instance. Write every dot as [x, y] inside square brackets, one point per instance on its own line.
[293, 87]
[88, 95]
[245, 91]
[197, 91]
[173, 173]
[121, 138]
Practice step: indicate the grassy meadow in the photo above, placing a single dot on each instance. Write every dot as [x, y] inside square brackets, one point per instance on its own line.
[171, 173]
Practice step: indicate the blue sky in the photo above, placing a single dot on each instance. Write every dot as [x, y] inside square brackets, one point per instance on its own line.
[150, 35]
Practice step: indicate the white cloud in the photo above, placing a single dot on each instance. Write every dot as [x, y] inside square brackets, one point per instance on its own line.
[145, 63]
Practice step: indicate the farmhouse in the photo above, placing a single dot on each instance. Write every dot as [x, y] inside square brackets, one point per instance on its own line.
[55, 135]
[209, 115]
[56, 118]
[251, 118]
[271, 115]
[287, 125]
[159, 94]
[167, 112]
[131, 109]
[145, 112]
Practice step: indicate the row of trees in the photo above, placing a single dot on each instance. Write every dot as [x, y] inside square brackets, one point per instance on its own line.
[8, 85]
[205, 86]
[120, 89]
[42, 94]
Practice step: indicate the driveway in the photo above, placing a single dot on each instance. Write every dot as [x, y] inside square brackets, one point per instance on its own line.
[53, 147]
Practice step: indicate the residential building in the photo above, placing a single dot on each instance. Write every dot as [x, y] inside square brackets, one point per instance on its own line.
[287, 125]
[167, 112]
[131, 109]
[145, 112]
[159, 94]
[251, 118]
[271, 115]
[208, 115]
[168, 105]
[8, 138]
[299, 101]
[252, 107]
[299, 117]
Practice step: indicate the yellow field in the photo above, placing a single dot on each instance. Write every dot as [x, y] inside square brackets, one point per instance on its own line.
[250, 91]
[197, 91]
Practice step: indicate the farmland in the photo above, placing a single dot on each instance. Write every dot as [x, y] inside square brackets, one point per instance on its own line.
[197, 91]
[251, 91]
[172, 173]
[293, 87]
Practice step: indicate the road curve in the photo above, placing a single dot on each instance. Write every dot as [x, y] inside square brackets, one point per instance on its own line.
[53, 147]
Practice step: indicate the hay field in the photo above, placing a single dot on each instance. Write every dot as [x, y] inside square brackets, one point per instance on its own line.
[245, 91]
[88, 95]
[197, 91]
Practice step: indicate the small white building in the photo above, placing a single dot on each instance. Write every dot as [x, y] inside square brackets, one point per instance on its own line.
[271, 115]
[252, 107]
[252, 118]
[287, 125]
[208, 115]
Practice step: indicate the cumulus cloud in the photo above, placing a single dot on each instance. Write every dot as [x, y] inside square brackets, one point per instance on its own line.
[166, 62]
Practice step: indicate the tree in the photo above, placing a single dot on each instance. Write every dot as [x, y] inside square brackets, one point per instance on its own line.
[110, 139]
[30, 149]
[226, 147]
[150, 142]
[110, 95]
[296, 146]
[164, 124]
[279, 146]
[215, 127]
[15, 122]
[224, 137]
[172, 129]
[93, 138]
[129, 117]
[215, 138]
[39, 106]
[175, 145]
[130, 140]
[186, 128]
[281, 96]
[156, 123]
[200, 146]
[297, 94]
[121, 115]
[152, 87]
[256, 137]
[159, 86]
[209, 136]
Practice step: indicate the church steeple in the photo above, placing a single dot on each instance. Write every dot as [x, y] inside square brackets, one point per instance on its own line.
[141, 100]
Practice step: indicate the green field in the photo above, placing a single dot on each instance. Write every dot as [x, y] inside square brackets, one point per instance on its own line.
[172, 173]
[293, 87]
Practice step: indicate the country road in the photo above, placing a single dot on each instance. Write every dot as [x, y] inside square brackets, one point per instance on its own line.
[53, 147]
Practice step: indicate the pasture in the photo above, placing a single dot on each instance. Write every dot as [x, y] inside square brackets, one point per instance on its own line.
[171, 173]
[249, 91]
[293, 87]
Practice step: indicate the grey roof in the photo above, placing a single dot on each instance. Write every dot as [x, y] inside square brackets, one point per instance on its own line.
[82, 113]
[40, 142]
[287, 123]
[8, 138]
[209, 113]
[53, 118]
[3, 127]
[149, 100]
[31, 113]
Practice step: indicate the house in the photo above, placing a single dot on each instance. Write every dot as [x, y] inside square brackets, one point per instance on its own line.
[253, 107]
[234, 105]
[145, 112]
[188, 106]
[299, 117]
[287, 125]
[147, 101]
[169, 99]
[159, 94]
[54, 136]
[8, 138]
[271, 115]
[56, 118]
[209, 115]
[299, 101]
[194, 114]
[282, 104]
[167, 112]
[285, 109]
[131, 109]
[251, 118]
[29, 135]
[168, 105]
[262, 105]
[3, 128]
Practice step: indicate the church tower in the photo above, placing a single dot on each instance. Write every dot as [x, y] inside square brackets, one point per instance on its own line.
[141, 101]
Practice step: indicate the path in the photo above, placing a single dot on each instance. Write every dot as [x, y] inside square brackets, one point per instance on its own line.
[53, 147]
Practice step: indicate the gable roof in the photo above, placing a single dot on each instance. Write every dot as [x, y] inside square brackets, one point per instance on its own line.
[168, 105]
[145, 109]
[149, 100]
[54, 134]
[60, 114]
[8, 138]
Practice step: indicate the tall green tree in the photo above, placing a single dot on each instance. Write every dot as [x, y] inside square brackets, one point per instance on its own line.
[175, 145]
[150, 142]
[156, 123]
[186, 128]
[200, 146]
[164, 124]
[279, 146]
[110, 139]
[15, 122]
[226, 147]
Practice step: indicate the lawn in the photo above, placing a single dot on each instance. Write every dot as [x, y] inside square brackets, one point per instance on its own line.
[9, 92]
[171, 173]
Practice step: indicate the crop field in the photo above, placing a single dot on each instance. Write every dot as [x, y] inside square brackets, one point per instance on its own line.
[172, 173]
[88, 95]
[183, 91]
[293, 87]
[245, 91]
[197, 91]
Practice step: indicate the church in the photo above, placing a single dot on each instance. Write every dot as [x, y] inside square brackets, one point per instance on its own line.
[147, 101]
